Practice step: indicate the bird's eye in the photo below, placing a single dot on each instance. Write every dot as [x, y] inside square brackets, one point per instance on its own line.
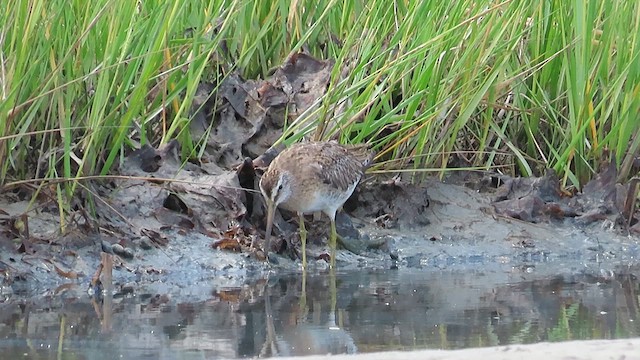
[280, 187]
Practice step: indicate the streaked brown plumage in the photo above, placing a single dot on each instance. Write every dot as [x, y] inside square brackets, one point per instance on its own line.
[313, 176]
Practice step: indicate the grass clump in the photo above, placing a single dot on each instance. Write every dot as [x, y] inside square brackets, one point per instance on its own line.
[517, 86]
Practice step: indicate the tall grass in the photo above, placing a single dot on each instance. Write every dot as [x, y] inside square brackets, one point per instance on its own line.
[517, 86]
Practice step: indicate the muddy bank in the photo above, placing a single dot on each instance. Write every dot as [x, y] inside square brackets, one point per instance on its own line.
[172, 223]
[388, 225]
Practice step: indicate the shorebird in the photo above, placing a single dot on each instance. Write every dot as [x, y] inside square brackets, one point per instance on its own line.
[309, 177]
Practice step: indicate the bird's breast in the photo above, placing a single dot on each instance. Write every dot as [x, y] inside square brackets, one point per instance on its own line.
[326, 199]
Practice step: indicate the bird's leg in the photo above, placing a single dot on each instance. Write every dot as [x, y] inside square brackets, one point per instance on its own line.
[302, 304]
[332, 242]
[303, 240]
[333, 291]
[267, 237]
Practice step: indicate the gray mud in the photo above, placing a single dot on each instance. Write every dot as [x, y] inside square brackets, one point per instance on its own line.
[463, 234]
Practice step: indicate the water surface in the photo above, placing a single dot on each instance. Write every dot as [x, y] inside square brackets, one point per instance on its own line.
[345, 313]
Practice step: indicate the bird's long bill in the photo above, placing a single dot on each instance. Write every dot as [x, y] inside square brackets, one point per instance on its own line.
[267, 236]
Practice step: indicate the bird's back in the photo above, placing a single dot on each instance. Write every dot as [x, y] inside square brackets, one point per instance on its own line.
[325, 173]
[335, 165]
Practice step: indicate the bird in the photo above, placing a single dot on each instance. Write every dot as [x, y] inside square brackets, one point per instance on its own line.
[310, 177]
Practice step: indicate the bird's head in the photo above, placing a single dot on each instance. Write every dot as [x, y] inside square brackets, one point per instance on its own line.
[275, 186]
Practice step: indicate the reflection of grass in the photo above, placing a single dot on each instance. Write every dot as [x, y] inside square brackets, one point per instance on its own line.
[563, 329]
[577, 323]
[567, 321]
[531, 312]
[628, 321]
[442, 334]
[524, 334]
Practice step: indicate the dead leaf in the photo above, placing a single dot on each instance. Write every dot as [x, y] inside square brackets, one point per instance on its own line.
[69, 274]
[226, 243]
[229, 295]
[175, 203]
[155, 237]
[324, 256]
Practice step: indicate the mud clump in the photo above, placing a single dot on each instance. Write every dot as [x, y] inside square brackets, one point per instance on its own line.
[541, 200]
[391, 204]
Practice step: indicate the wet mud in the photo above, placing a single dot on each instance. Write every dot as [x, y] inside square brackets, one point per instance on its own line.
[388, 224]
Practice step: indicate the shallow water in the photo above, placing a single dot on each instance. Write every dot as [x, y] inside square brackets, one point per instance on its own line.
[349, 312]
